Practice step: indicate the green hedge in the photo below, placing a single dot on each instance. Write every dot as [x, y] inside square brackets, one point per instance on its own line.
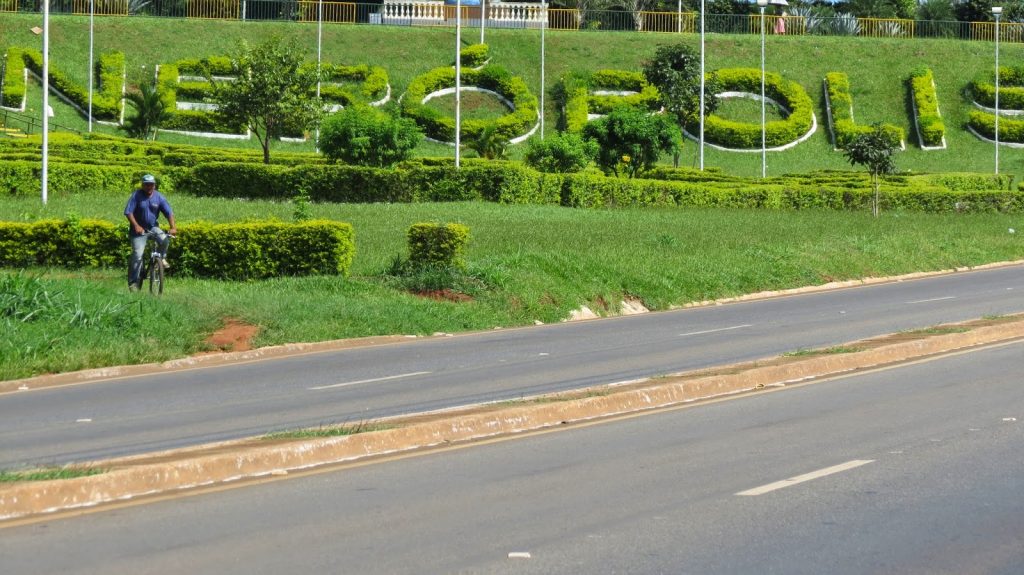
[1011, 89]
[744, 135]
[493, 78]
[432, 244]
[14, 78]
[1010, 130]
[106, 102]
[837, 84]
[510, 182]
[373, 87]
[929, 122]
[576, 100]
[229, 251]
[475, 55]
[22, 178]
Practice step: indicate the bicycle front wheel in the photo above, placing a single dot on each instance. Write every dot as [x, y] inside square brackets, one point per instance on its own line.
[156, 278]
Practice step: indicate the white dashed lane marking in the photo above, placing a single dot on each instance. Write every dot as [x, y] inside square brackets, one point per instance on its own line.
[376, 379]
[805, 477]
[716, 330]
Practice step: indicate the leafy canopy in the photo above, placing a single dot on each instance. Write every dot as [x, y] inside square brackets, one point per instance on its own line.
[873, 150]
[367, 136]
[675, 72]
[631, 140]
[561, 153]
[271, 92]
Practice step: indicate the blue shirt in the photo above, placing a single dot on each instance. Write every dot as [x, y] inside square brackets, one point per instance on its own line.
[147, 210]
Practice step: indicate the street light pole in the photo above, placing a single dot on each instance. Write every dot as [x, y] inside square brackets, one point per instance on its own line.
[997, 11]
[543, 27]
[458, 81]
[92, 16]
[764, 149]
[44, 180]
[700, 111]
[483, 19]
[319, 70]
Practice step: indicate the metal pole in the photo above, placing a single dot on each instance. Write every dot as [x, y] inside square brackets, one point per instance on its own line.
[701, 110]
[764, 148]
[92, 15]
[46, 96]
[679, 15]
[543, 26]
[483, 19]
[319, 45]
[458, 80]
[997, 13]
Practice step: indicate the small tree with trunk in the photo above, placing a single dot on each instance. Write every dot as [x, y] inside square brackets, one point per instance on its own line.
[873, 150]
[271, 92]
[675, 72]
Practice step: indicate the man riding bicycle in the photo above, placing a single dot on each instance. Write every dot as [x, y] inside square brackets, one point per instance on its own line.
[143, 212]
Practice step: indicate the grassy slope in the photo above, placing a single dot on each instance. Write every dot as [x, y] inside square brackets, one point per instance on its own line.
[877, 69]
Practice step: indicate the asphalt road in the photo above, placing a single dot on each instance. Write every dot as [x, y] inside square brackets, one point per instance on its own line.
[909, 470]
[162, 411]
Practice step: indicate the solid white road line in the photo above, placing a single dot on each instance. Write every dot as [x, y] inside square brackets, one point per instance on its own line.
[716, 330]
[348, 383]
[931, 300]
[806, 477]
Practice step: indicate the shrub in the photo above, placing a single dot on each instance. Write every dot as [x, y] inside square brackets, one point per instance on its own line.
[1011, 89]
[983, 123]
[228, 251]
[366, 136]
[930, 128]
[844, 129]
[742, 135]
[494, 78]
[631, 140]
[566, 152]
[574, 95]
[475, 55]
[437, 245]
[106, 104]
[14, 79]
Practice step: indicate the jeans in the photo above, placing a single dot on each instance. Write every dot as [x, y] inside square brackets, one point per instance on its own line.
[139, 248]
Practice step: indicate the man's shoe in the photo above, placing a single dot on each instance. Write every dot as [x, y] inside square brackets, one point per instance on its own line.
[132, 288]
[165, 264]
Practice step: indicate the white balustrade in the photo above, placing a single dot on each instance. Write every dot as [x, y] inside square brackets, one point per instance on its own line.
[432, 12]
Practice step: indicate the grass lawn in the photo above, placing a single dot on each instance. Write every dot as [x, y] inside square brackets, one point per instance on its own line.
[877, 67]
[525, 263]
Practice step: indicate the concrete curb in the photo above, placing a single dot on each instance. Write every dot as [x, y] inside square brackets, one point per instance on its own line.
[133, 477]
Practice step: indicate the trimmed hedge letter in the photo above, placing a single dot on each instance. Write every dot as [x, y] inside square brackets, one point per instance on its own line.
[839, 102]
[790, 98]
[583, 97]
[106, 102]
[1011, 106]
[514, 127]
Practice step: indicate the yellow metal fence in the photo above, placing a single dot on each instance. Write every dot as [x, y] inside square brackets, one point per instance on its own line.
[101, 7]
[333, 11]
[214, 9]
[8, 5]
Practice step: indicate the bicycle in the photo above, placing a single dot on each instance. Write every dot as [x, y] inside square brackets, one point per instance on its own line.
[155, 271]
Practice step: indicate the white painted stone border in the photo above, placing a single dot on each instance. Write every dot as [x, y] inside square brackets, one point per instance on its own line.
[1001, 143]
[508, 104]
[757, 97]
[917, 127]
[1002, 111]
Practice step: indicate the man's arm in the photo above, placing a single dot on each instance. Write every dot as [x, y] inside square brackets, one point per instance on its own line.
[129, 212]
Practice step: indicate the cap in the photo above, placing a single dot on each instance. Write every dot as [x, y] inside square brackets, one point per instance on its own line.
[148, 179]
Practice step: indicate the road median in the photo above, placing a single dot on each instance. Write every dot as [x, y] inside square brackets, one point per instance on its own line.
[230, 462]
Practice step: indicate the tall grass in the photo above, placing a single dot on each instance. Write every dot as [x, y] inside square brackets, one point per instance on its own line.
[529, 263]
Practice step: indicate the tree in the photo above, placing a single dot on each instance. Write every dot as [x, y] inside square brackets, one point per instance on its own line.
[631, 140]
[150, 111]
[368, 136]
[561, 153]
[271, 93]
[675, 72]
[873, 150]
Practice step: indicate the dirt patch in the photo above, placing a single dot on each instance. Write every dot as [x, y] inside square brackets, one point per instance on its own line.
[236, 335]
[445, 295]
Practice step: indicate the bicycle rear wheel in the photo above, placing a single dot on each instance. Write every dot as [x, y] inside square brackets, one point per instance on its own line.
[156, 278]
